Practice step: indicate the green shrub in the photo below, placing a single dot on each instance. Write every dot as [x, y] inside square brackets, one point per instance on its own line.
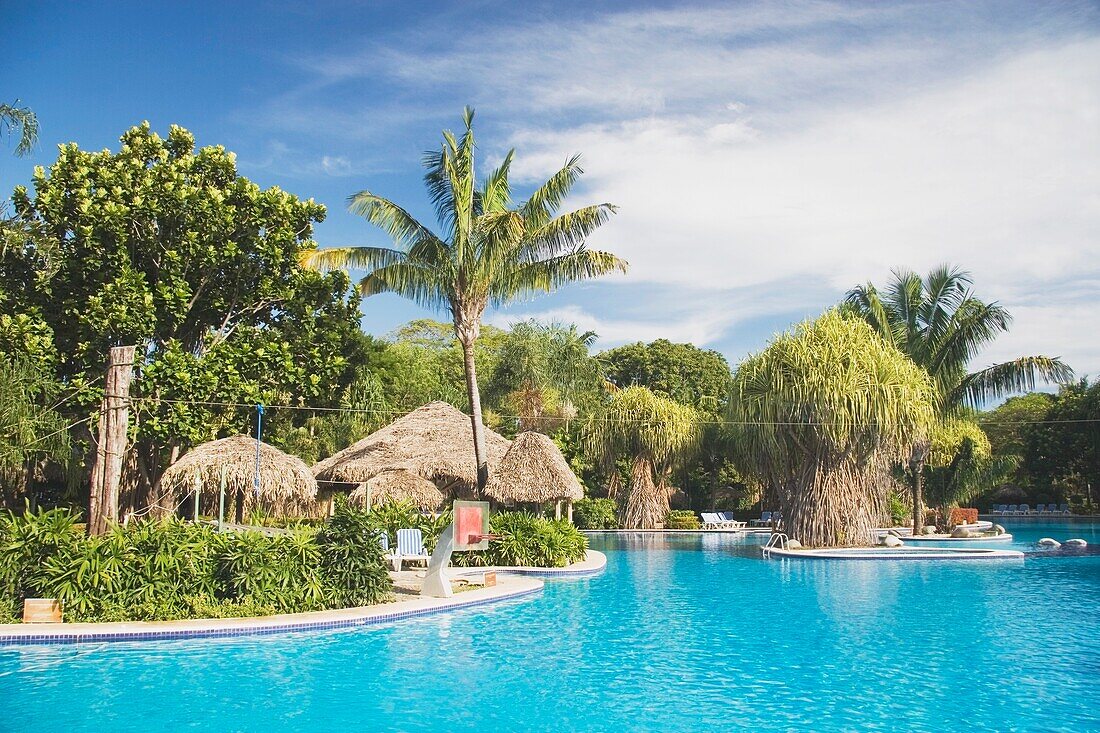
[526, 539]
[682, 519]
[900, 510]
[595, 514]
[153, 570]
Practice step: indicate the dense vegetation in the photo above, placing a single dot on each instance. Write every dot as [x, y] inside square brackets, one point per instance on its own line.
[152, 570]
[165, 245]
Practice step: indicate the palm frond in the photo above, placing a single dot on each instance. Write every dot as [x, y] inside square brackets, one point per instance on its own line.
[13, 117]
[973, 325]
[564, 233]
[549, 274]
[540, 208]
[418, 283]
[349, 258]
[1019, 375]
[399, 224]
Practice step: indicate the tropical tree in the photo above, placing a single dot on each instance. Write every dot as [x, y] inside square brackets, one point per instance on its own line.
[15, 119]
[961, 465]
[654, 432]
[939, 324]
[543, 371]
[164, 245]
[489, 252]
[820, 415]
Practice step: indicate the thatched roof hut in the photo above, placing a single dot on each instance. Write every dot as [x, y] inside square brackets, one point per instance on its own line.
[434, 442]
[533, 472]
[286, 484]
[393, 486]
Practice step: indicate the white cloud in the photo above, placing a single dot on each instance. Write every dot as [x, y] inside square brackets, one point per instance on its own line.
[336, 165]
[792, 150]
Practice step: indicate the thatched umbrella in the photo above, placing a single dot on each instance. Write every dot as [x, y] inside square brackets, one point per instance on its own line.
[434, 442]
[534, 471]
[398, 486]
[286, 485]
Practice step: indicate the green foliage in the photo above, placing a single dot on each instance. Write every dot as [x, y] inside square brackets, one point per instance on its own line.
[595, 514]
[31, 428]
[545, 375]
[682, 372]
[166, 570]
[164, 245]
[1061, 456]
[526, 539]
[682, 519]
[820, 414]
[14, 118]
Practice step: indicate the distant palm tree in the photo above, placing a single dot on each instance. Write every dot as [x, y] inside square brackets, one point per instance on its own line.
[490, 252]
[12, 118]
[939, 324]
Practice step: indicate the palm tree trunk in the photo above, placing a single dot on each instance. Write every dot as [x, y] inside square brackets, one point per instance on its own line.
[475, 413]
[917, 457]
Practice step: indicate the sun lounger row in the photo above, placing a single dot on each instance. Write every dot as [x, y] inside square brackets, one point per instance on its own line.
[720, 520]
[766, 519]
[1026, 510]
[410, 547]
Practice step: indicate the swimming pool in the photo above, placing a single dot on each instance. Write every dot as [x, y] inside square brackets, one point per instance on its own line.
[679, 633]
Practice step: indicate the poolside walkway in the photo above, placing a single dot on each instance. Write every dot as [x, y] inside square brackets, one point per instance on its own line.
[512, 582]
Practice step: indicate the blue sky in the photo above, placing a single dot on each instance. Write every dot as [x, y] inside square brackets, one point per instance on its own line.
[765, 156]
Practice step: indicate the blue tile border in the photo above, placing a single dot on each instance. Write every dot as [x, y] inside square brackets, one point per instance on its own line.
[367, 619]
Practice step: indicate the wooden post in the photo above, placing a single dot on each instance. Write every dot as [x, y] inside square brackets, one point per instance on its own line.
[114, 420]
[557, 509]
[569, 510]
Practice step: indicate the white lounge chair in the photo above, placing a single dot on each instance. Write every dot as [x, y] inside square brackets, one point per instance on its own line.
[410, 546]
[730, 521]
[711, 520]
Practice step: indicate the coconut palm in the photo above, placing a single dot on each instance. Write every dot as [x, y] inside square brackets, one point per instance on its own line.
[939, 324]
[12, 118]
[489, 252]
[654, 432]
[820, 415]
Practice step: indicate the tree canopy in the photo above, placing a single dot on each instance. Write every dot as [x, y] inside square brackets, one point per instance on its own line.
[167, 247]
[819, 415]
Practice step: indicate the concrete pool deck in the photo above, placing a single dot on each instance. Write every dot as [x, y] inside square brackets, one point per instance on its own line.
[512, 583]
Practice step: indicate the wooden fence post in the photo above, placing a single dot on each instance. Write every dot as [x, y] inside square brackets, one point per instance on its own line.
[114, 420]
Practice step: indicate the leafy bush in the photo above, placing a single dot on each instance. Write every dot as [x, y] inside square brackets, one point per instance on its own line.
[168, 570]
[595, 514]
[900, 510]
[682, 519]
[526, 539]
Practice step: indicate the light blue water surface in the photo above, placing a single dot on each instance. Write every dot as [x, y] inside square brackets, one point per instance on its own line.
[680, 633]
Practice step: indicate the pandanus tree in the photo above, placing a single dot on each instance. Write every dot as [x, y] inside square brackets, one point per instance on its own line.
[819, 416]
[941, 326]
[488, 252]
[654, 432]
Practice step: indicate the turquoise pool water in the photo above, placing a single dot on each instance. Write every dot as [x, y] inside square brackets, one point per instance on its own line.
[680, 633]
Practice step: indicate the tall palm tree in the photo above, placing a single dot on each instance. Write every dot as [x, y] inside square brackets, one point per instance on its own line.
[12, 118]
[939, 324]
[489, 252]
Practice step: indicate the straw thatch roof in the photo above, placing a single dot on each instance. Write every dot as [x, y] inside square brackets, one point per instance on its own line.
[286, 484]
[533, 471]
[435, 442]
[393, 486]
